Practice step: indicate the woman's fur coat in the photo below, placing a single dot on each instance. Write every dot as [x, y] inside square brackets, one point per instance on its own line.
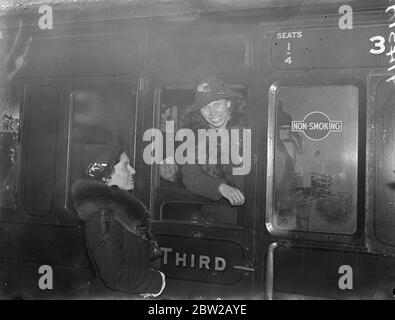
[116, 233]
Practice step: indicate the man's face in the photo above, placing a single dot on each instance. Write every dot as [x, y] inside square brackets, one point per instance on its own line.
[216, 113]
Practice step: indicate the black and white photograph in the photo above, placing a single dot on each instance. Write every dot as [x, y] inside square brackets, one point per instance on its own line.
[210, 151]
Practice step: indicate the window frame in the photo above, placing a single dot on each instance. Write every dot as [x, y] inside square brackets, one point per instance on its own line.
[132, 87]
[155, 200]
[25, 123]
[374, 81]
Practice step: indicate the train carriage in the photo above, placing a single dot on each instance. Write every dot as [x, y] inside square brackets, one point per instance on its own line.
[318, 218]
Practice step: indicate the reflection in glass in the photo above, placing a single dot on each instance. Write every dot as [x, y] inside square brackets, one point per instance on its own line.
[97, 114]
[9, 131]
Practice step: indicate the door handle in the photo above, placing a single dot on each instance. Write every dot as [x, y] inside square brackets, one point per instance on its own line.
[270, 267]
[244, 268]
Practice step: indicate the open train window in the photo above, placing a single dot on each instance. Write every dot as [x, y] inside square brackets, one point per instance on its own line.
[175, 202]
[9, 134]
[312, 160]
[96, 114]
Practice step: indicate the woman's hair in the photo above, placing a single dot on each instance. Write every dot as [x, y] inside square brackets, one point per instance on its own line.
[237, 116]
[100, 170]
[102, 166]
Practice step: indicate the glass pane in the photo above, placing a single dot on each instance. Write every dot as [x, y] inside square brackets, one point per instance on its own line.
[315, 160]
[97, 115]
[384, 188]
[201, 50]
[76, 58]
[40, 165]
[9, 131]
[173, 105]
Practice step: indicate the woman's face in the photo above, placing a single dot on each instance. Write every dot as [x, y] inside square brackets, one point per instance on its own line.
[216, 113]
[122, 176]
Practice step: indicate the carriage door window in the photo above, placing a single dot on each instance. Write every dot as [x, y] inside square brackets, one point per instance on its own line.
[40, 162]
[98, 114]
[175, 201]
[9, 131]
[383, 133]
[313, 159]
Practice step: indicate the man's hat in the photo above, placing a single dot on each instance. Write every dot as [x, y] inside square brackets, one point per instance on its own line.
[209, 90]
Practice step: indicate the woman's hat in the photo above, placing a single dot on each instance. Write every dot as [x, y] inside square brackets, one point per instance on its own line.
[209, 90]
[100, 167]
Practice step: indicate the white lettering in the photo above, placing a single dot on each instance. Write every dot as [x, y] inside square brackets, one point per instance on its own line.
[165, 251]
[153, 153]
[183, 259]
[346, 20]
[388, 10]
[204, 261]
[391, 53]
[346, 280]
[170, 141]
[245, 159]
[220, 264]
[298, 126]
[45, 21]
[379, 44]
[289, 35]
[46, 280]
[192, 260]
[185, 152]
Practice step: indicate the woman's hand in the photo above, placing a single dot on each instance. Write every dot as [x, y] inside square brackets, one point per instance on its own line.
[233, 195]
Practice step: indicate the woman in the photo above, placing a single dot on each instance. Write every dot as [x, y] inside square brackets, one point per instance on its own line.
[219, 108]
[117, 229]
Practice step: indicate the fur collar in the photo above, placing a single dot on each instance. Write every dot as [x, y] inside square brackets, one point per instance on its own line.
[92, 199]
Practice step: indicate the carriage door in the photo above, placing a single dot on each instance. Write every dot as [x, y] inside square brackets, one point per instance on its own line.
[98, 111]
[312, 189]
[207, 245]
[381, 162]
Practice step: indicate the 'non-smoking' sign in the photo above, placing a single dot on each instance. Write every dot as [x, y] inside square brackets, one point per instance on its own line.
[316, 126]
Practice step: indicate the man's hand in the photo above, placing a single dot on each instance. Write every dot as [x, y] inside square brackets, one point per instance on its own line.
[233, 195]
[168, 170]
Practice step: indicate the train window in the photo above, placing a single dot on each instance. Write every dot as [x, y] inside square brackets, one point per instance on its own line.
[82, 57]
[384, 179]
[9, 132]
[314, 185]
[176, 202]
[203, 50]
[96, 115]
[40, 162]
